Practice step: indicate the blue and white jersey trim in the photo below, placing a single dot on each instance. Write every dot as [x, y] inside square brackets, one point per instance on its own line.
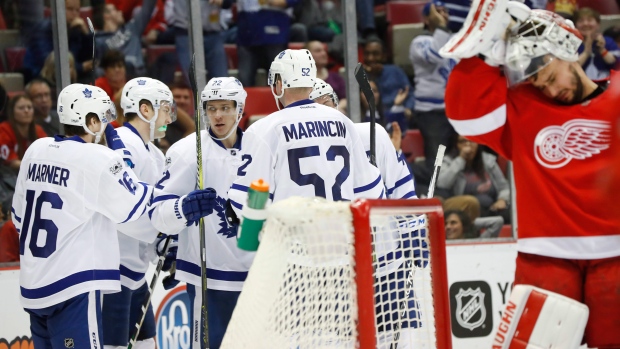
[69, 281]
[367, 187]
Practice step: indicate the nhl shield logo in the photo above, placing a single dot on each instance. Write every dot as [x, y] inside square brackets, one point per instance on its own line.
[470, 310]
[69, 343]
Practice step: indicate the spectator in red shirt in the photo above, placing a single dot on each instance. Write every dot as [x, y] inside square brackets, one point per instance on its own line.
[19, 131]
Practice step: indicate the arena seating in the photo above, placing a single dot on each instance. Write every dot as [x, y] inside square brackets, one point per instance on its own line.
[260, 101]
[412, 145]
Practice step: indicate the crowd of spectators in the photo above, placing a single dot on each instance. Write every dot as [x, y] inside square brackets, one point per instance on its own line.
[471, 182]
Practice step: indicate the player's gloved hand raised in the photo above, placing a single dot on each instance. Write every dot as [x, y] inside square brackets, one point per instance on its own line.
[197, 204]
[115, 143]
[171, 254]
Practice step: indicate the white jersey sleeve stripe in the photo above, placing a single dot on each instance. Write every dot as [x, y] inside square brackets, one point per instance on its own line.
[399, 183]
[368, 186]
[409, 195]
[69, 281]
[15, 215]
[482, 125]
[135, 208]
[164, 197]
[236, 204]
[224, 275]
[130, 274]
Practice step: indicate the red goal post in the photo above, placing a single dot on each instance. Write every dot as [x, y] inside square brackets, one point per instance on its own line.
[361, 210]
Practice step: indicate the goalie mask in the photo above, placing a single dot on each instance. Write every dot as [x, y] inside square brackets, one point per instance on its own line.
[323, 92]
[540, 39]
[296, 68]
[224, 89]
[154, 91]
[76, 101]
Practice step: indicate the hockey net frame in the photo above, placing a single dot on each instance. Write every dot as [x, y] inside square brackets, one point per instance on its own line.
[359, 313]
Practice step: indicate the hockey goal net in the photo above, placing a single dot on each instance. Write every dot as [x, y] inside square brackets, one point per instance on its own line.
[368, 274]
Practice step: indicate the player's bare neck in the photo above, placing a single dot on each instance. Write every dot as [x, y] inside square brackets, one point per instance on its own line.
[589, 87]
[230, 141]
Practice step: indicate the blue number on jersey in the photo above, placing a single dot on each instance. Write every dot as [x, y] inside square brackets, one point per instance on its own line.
[248, 160]
[294, 155]
[127, 183]
[40, 224]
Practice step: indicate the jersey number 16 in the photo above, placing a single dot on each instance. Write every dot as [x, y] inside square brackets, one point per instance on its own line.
[39, 224]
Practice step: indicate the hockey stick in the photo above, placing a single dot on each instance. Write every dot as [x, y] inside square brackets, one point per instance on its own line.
[92, 30]
[200, 185]
[362, 80]
[147, 301]
[409, 284]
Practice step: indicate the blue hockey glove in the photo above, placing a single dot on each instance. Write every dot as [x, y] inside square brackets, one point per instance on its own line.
[170, 282]
[115, 143]
[171, 255]
[197, 204]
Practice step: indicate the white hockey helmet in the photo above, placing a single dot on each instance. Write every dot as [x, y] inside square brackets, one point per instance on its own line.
[151, 90]
[296, 69]
[321, 88]
[224, 89]
[533, 44]
[76, 101]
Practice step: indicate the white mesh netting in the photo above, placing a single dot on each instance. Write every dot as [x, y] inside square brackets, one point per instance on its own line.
[301, 290]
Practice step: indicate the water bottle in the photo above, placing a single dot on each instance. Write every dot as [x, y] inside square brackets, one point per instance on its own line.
[254, 216]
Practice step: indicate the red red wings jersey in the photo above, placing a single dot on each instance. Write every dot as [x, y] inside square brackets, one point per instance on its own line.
[559, 153]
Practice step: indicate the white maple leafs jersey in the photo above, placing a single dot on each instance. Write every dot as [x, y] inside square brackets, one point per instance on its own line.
[149, 164]
[227, 265]
[68, 198]
[306, 149]
[396, 176]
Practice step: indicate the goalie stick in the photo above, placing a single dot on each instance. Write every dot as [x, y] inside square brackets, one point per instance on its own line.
[409, 283]
[362, 80]
[147, 301]
[92, 30]
[200, 185]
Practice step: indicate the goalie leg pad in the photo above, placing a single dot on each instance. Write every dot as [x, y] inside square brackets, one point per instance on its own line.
[535, 318]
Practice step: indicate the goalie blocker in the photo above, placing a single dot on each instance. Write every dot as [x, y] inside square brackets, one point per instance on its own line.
[535, 319]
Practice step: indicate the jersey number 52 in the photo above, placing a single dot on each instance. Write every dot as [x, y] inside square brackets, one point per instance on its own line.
[294, 155]
[39, 224]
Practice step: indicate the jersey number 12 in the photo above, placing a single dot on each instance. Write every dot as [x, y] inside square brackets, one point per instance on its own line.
[39, 224]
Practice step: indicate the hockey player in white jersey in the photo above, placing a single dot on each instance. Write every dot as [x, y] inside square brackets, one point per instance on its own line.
[148, 107]
[396, 176]
[306, 149]
[223, 101]
[405, 230]
[70, 194]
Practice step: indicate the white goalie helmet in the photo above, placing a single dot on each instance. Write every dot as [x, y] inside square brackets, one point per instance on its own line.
[76, 101]
[224, 89]
[151, 90]
[533, 44]
[296, 69]
[320, 89]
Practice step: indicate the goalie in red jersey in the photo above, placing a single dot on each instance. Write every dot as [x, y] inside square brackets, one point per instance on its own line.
[543, 113]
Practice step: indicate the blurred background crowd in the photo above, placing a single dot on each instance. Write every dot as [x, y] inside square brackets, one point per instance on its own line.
[398, 41]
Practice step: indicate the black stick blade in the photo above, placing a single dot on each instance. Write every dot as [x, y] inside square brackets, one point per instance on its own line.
[362, 80]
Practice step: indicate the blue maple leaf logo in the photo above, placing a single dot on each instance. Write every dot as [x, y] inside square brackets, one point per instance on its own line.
[141, 82]
[220, 208]
[87, 93]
